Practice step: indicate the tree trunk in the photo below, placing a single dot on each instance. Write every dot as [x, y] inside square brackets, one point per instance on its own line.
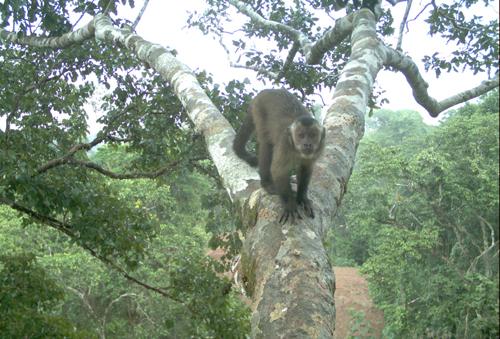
[287, 270]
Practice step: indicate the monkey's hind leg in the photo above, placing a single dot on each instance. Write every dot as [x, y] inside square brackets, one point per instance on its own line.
[303, 178]
[265, 153]
[241, 139]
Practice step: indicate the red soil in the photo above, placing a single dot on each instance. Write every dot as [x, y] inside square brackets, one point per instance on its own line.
[352, 295]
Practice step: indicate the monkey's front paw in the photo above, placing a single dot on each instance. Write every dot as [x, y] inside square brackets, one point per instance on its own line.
[307, 204]
[290, 212]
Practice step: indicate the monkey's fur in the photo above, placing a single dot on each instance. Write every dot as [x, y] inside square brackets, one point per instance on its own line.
[289, 138]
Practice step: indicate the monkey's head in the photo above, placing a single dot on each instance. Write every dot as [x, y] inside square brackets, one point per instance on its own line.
[307, 136]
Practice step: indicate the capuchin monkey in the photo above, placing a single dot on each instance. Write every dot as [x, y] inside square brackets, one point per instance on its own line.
[289, 139]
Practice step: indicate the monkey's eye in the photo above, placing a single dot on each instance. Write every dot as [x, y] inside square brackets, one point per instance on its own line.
[302, 135]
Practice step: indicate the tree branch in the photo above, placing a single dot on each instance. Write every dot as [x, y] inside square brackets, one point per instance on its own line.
[332, 37]
[487, 247]
[312, 52]
[65, 40]
[141, 13]
[207, 119]
[420, 13]
[403, 24]
[115, 139]
[85, 301]
[68, 156]
[101, 136]
[68, 159]
[109, 7]
[149, 175]
[292, 33]
[451, 19]
[289, 59]
[67, 229]
[419, 86]
[472, 267]
[394, 2]
[114, 301]
[259, 70]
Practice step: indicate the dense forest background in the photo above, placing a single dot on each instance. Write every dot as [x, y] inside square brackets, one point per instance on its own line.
[420, 218]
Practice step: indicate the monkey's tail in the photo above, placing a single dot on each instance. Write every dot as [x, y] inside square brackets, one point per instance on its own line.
[241, 139]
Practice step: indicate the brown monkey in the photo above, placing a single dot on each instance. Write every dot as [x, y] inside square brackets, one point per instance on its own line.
[289, 138]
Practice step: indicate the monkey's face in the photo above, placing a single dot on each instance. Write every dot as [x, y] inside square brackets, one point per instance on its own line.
[307, 138]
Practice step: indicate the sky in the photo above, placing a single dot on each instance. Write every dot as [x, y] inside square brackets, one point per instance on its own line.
[166, 24]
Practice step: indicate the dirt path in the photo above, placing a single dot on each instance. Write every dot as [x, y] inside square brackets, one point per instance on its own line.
[354, 306]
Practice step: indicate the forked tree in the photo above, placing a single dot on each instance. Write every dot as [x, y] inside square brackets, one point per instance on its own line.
[50, 69]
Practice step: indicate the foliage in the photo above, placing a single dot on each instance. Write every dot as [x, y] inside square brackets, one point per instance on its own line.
[302, 15]
[214, 312]
[200, 303]
[40, 130]
[370, 193]
[359, 328]
[139, 225]
[471, 34]
[28, 298]
[421, 215]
